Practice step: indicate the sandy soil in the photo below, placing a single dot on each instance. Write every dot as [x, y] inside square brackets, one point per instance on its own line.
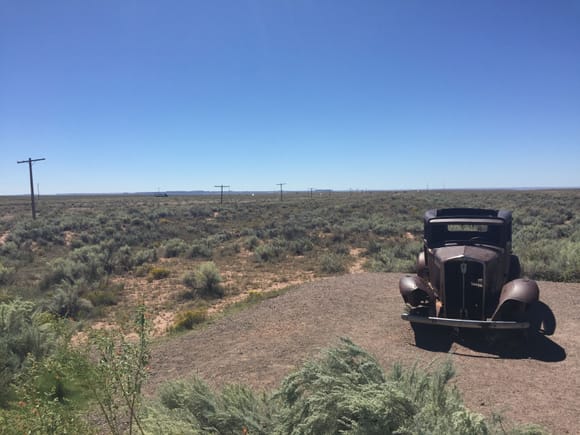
[538, 383]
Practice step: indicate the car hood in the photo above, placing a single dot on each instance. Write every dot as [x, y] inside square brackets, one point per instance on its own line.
[479, 253]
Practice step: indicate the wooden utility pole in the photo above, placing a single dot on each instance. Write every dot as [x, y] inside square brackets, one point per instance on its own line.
[221, 186]
[29, 161]
[280, 184]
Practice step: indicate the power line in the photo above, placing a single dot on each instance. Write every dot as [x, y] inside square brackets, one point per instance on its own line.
[30, 161]
[280, 184]
[221, 186]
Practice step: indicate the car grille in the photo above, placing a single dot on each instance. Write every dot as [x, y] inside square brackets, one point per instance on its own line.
[464, 290]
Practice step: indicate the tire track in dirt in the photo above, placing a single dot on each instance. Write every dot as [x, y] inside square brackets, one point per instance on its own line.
[262, 344]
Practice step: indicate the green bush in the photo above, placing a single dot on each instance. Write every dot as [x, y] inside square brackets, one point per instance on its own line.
[157, 272]
[205, 281]
[200, 250]
[191, 407]
[345, 391]
[6, 274]
[270, 251]
[24, 332]
[300, 246]
[333, 263]
[88, 263]
[173, 248]
[143, 256]
[104, 296]
[67, 302]
[188, 319]
[251, 243]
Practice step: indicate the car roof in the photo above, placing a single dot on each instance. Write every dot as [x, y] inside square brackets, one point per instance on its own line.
[468, 213]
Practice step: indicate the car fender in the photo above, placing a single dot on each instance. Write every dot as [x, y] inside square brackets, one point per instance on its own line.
[414, 289]
[516, 295]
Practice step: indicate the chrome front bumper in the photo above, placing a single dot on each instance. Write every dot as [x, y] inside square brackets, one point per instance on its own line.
[461, 323]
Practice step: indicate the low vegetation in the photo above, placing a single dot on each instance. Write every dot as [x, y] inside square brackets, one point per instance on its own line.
[97, 387]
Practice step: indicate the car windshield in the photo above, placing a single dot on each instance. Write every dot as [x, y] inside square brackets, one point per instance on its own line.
[465, 232]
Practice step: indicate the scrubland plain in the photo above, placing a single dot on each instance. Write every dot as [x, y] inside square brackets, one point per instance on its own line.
[87, 264]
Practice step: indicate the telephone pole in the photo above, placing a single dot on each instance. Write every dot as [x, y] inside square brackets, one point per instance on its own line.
[30, 161]
[280, 184]
[221, 186]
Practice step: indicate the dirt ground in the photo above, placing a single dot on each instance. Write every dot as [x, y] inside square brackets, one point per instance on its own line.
[539, 383]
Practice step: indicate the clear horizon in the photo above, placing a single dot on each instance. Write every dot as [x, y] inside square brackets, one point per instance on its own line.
[144, 96]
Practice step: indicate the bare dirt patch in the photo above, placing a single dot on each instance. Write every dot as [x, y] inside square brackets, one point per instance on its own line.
[68, 237]
[4, 237]
[359, 260]
[262, 344]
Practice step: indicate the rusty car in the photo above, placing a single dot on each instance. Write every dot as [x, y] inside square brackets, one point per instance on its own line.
[467, 275]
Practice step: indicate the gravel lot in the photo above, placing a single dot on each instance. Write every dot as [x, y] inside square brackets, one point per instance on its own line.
[258, 346]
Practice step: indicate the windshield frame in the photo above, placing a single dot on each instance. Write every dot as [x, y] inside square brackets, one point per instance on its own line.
[438, 234]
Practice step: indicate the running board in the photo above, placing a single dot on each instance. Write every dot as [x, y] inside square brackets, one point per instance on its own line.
[463, 323]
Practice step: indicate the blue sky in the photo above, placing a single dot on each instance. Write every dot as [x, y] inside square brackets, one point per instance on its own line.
[125, 96]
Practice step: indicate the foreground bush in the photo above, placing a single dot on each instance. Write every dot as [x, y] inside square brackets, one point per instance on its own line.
[24, 333]
[106, 371]
[345, 392]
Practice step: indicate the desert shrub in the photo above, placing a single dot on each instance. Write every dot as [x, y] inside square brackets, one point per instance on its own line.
[339, 234]
[60, 270]
[89, 263]
[270, 251]
[123, 259]
[47, 401]
[385, 261]
[384, 227]
[8, 249]
[373, 247]
[398, 255]
[200, 250]
[188, 319]
[300, 246]
[554, 260]
[205, 281]
[216, 239]
[6, 274]
[348, 392]
[333, 263]
[24, 332]
[344, 391]
[189, 280]
[112, 370]
[251, 243]
[293, 231]
[157, 273]
[200, 211]
[191, 407]
[340, 248]
[67, 302]
[103, 297]
[142, 256]
[173, 248]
